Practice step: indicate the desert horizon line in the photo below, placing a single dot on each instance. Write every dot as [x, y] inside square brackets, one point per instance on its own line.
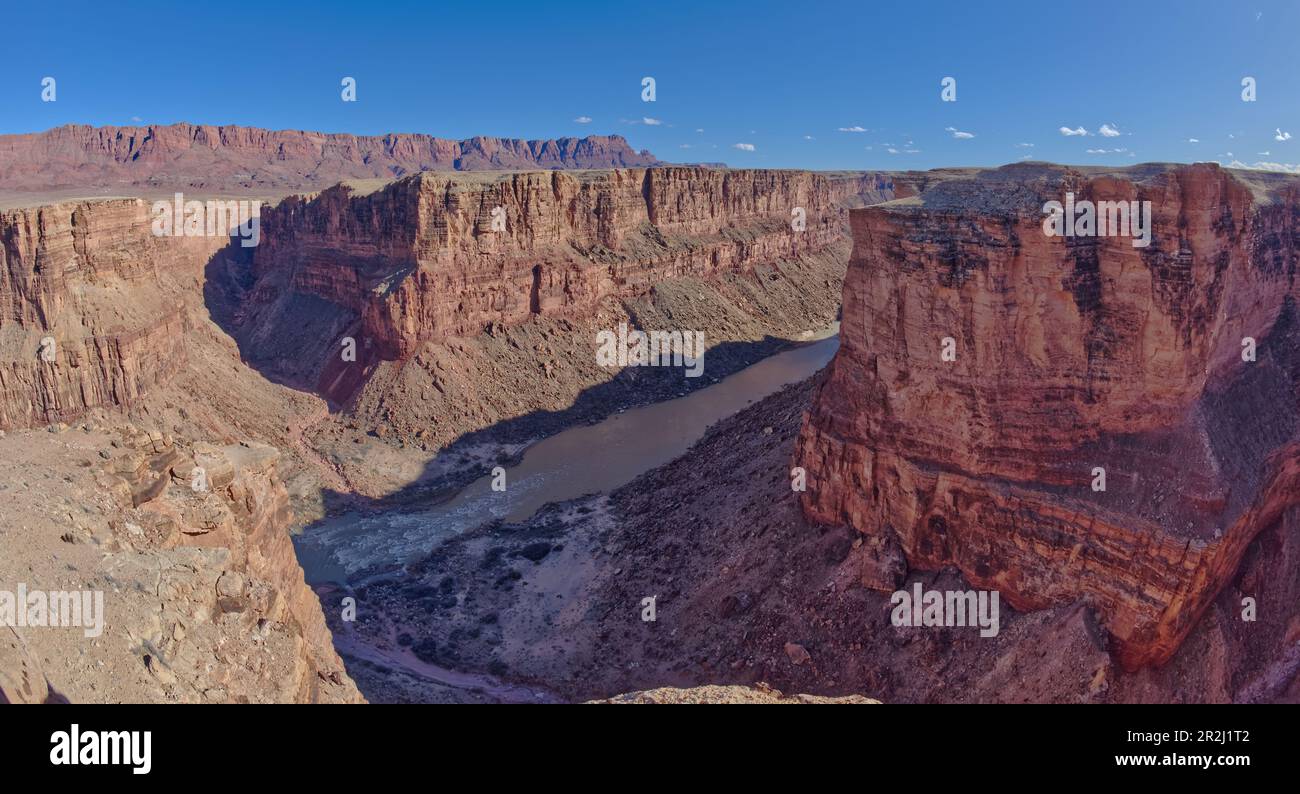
[532, 142]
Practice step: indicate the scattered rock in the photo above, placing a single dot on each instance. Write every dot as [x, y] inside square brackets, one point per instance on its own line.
[536, 551]
[798, 654]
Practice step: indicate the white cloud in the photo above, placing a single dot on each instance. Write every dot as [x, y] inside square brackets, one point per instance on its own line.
[699, 129]
[684, 146]
[1024, 146]
[1193, 140]
[852, 129]
[1070, 133]
[1120, 150]
[1282, 136]
[1289, 168]
[808, 138]
[651, 122]
[1263, 154]
[1107, 131]
[582, 120]
[892, 150]
[744, 147]
[958, 134]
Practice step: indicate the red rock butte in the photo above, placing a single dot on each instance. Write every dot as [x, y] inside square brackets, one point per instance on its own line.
[1071, 354]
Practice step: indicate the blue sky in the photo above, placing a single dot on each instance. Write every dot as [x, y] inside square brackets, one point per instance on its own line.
[781, 77]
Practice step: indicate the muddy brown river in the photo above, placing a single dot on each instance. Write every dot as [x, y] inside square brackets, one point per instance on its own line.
[581, 460]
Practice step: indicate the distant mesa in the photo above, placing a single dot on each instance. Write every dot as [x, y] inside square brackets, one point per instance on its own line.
[210, 158]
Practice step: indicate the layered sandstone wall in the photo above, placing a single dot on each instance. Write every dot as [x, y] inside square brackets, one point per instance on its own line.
[421, 259]
[87, 283]
[228, 615]
[1071, 354]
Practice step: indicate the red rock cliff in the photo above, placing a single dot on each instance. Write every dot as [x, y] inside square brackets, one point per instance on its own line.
[91, 277]
[1071, 354]
[420, 259]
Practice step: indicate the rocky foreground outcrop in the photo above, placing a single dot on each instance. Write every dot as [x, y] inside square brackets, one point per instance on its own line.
[1068, 356]
[187, 544]
[229, 157]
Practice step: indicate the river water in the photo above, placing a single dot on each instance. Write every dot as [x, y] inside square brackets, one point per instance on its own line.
[581, 460]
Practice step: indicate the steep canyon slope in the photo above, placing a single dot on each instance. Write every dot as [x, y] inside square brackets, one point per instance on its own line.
[103, 326]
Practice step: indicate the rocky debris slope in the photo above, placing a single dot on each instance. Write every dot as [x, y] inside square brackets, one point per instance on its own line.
[749, 591]
[201, 157]
[746, 591]
[189, 544]
[1071, 354]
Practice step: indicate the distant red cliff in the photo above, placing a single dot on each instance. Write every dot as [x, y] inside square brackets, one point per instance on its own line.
[228, 157]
